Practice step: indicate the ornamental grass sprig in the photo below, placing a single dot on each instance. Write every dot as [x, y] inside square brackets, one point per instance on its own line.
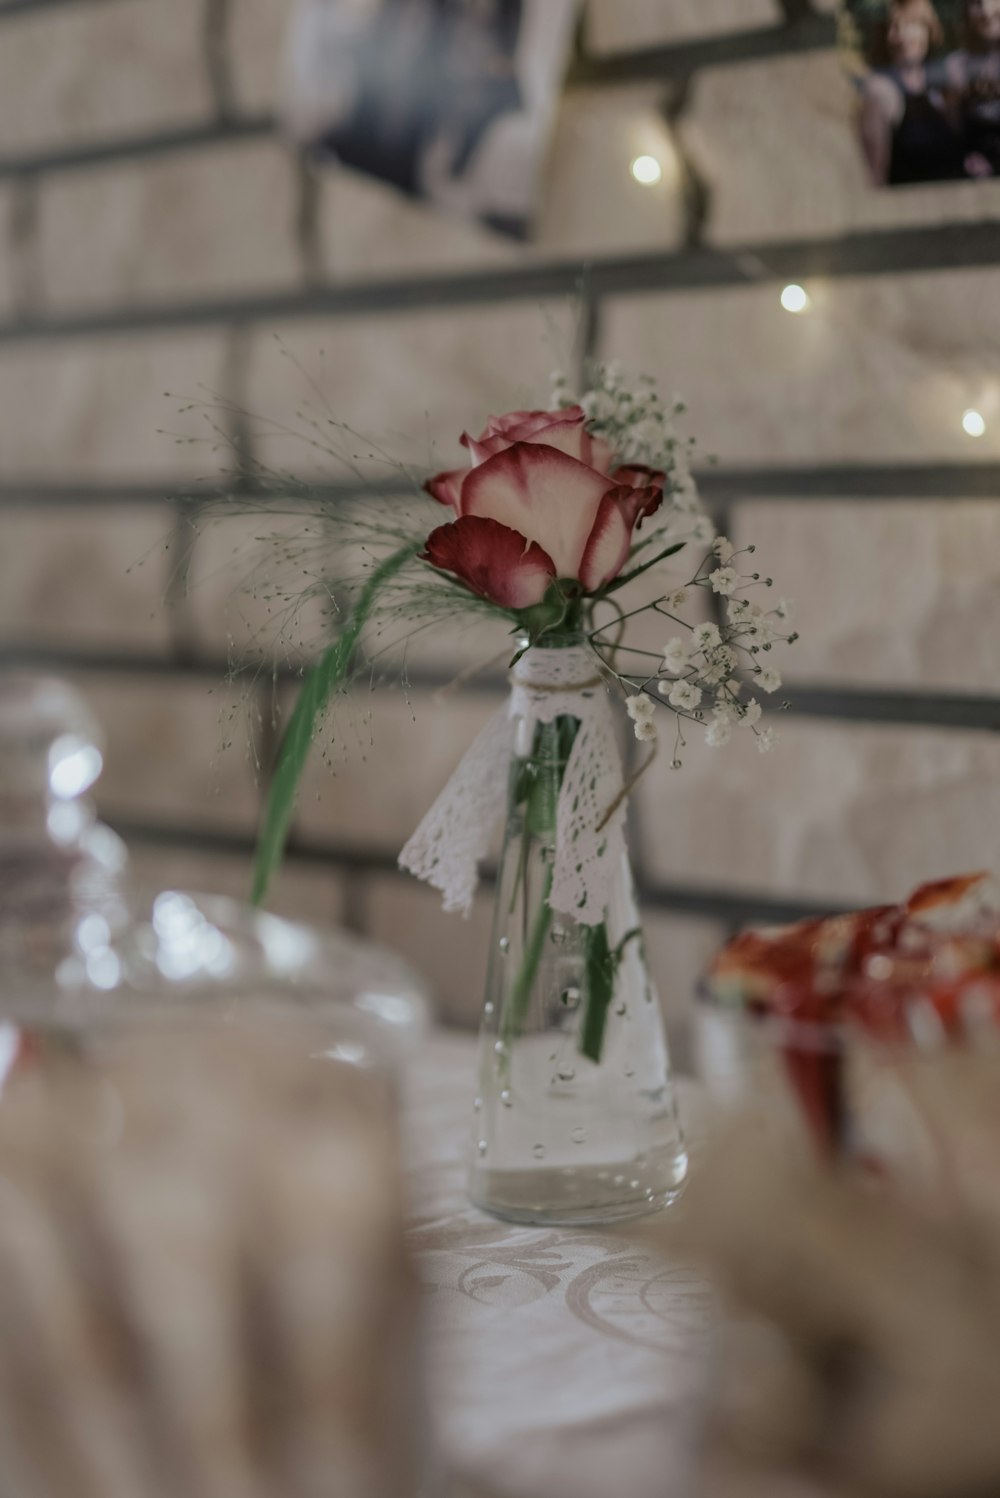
[559, 520]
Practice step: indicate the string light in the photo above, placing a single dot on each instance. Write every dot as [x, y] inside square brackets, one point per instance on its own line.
[647, 170]
[973, 424]
[795, 299]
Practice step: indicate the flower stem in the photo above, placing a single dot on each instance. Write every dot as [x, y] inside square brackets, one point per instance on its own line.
[516, 1007]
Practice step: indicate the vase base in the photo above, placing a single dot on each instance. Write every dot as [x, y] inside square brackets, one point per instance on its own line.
[579, 1197]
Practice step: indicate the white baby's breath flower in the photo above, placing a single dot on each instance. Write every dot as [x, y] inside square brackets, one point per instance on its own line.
[724, 580]
[723, 549]
[706, 636]
[718, 732]
[640, 708]
[676, 600]
[739, 610]
[784, 608]
[766, 740]
[645, 731]
[751, 713]
[768, 679]
[685, 695]
[734, 687]
[676, 655]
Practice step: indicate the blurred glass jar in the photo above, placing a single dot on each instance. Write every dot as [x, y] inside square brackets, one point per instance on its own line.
[80, 957]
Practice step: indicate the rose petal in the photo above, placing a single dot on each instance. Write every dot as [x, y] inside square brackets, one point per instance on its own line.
[446, 487]
[496, 562]
[542, 493]
[608, 547]
[610, 540]
[639, 476]
[565, 430]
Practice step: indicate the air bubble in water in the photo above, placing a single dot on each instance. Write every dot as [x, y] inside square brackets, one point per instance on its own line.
[539, 1152]
[482, 1146]
[621, 1009]
[488, 1008]
[500, 1048]
[566, 1073]
[630, 1071]
[557, 935]
[579, 1135]
[504, 943]
[506, 1098]
[570, 996]
[477, 1104]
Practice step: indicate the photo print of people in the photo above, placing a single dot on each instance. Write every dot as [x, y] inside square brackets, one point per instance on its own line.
[927, 74]
[450, 101]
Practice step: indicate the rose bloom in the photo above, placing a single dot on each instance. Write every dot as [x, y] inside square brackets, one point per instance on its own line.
[540, 500]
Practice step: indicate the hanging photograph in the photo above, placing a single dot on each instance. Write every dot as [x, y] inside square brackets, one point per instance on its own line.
[927, 74]
[450, 101]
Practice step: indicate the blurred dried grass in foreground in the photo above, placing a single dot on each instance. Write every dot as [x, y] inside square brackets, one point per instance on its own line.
[858, 1356]
[203, 1291]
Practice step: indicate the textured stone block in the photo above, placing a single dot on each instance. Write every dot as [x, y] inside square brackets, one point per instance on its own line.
[300, 892]
[381, 761]
[630, 25]
[194, 223]
[255, 33]
[851, 813]
[77, 73]
[98, 409]
[180, 751]
[245, 580]
[906, 593]
[450, 953]
[776, 144]
[879, 368]
[397, 389]
[94, 575]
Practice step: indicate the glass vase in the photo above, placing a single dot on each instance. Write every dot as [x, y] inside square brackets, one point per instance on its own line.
[575, 1116]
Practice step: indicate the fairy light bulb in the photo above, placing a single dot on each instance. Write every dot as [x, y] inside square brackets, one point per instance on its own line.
[647, 170]
[795, 299]
[973, 424]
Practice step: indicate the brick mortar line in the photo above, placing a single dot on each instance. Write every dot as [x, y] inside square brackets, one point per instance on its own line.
[898, 251]
[707, 904]
[937, 482]
[917, 707]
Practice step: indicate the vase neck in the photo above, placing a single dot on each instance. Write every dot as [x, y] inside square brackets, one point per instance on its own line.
[566, 668]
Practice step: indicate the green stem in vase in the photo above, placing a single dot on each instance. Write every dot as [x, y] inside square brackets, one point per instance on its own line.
[516, 1007]
[600, 969]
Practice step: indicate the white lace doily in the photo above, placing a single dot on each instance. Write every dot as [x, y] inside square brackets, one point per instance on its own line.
[455, 835]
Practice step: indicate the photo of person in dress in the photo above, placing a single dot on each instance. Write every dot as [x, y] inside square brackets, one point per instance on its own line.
[973, 75]
[909, 128]
[447, 100]
[927, 75]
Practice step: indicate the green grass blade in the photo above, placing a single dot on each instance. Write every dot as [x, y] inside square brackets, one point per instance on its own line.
[321, 682]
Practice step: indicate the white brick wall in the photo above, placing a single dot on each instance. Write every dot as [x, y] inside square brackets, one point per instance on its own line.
[217, 221]
[901, 593]
[629, 25]
[100, 409]
[95, 575]
[882, 367]
[87, 72]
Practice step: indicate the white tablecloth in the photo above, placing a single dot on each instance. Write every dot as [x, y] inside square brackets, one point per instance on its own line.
[563, 1363]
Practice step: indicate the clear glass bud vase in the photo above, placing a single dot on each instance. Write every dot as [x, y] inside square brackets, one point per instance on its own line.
[575, 1117]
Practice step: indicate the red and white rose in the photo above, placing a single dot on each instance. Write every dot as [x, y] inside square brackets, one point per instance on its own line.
[541, 500]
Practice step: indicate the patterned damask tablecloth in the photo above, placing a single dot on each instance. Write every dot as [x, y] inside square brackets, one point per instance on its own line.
[562, 1363]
